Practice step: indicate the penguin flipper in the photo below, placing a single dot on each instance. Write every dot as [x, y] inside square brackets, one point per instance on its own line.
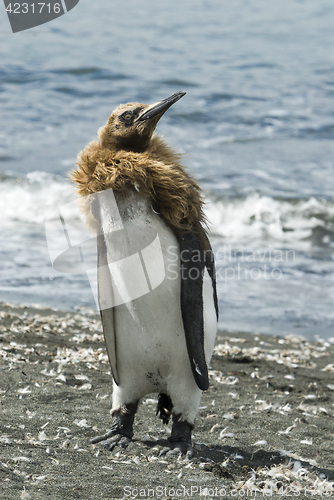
[192, 271]
[107, 313]
[210, 265]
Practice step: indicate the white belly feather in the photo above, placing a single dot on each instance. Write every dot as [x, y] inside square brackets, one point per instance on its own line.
[151, 348]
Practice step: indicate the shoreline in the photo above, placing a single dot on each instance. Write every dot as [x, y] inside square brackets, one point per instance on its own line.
[265, 426]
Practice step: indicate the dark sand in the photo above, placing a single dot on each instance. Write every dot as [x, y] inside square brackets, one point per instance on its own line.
[265, 427]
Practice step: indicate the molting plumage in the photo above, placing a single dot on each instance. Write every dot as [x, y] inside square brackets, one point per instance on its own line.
[156, 171]
[163, 341]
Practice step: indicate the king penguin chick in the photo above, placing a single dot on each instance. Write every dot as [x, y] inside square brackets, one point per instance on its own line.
[161, 341]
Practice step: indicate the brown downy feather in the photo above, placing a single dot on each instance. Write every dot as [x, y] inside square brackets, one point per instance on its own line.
[157, 173]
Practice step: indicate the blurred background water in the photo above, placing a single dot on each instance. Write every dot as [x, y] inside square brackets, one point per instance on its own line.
[256, 128]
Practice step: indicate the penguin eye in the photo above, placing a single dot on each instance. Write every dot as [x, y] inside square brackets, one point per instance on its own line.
[126, 117]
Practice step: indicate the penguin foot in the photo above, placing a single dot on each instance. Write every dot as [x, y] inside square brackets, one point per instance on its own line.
[178, 449]
[179, 443]
[121, 430]
[117, 440]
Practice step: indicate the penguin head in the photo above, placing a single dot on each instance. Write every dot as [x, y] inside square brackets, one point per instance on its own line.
[131, 126]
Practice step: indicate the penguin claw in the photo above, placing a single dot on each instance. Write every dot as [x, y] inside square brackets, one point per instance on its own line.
[175, 451]
[124, 442]
[179, 449]
[164, 451]
[117, 440]
[98, 439]
[109, 445]
[168, 452]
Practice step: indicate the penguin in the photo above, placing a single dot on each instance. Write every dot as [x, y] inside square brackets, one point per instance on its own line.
[161, 341]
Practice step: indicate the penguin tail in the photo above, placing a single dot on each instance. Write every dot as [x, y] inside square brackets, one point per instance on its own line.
[164, 407]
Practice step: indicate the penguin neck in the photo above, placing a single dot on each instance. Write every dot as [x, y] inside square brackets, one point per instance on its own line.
[159, 150]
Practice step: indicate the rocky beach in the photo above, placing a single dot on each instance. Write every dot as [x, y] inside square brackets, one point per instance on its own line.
[265, 426]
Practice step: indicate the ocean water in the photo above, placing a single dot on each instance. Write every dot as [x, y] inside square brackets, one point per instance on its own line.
[256, 129]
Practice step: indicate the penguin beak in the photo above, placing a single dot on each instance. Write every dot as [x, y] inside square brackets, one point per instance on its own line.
[157, 110]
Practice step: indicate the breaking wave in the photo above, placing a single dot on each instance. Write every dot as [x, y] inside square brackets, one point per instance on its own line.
[252, 221]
